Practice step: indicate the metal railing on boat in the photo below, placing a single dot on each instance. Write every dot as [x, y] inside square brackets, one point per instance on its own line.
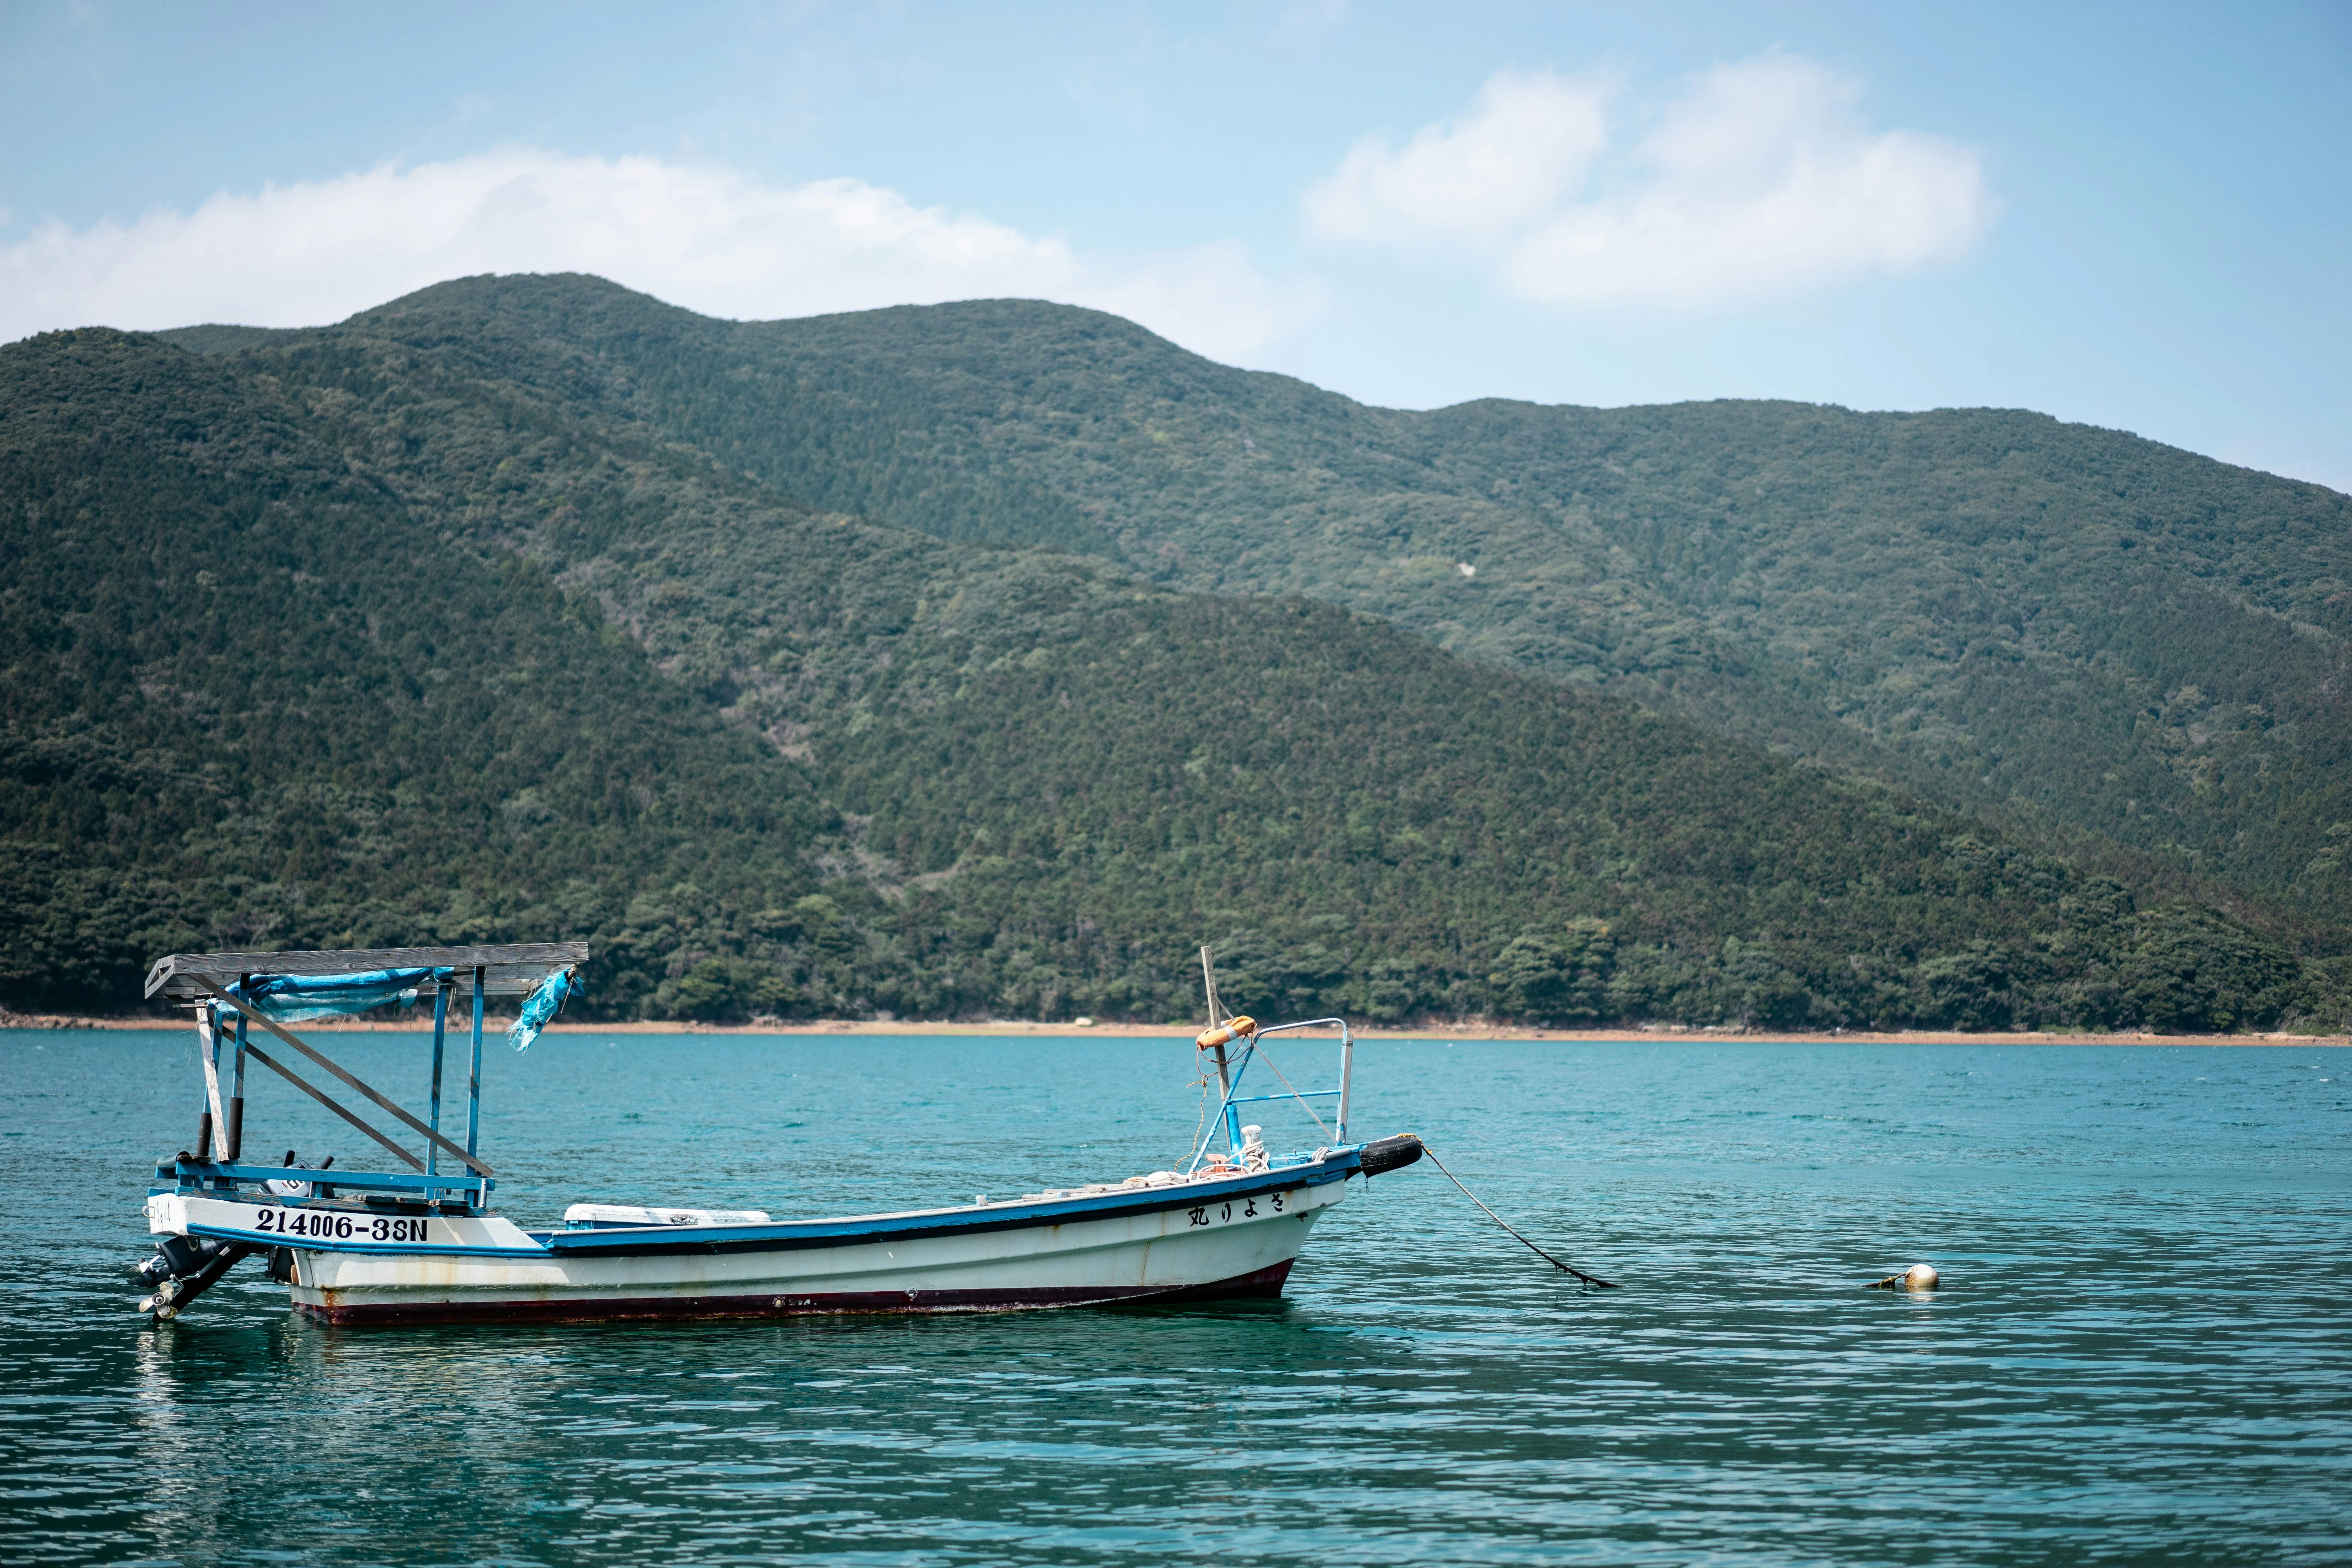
[1230, 1075]
[225, 983]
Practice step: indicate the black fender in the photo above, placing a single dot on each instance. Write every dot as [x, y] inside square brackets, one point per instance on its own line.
[1384, 1154]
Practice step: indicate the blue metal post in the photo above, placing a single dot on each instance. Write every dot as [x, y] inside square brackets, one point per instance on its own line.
[1347, 1069]
[1232, 1111]
[474, 1078]
[440, 1022]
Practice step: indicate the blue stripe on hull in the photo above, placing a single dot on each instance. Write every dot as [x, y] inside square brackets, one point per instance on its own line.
[606, 1241]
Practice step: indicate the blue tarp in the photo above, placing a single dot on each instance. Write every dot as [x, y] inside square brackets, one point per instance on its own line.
[296, 998]
[540, 1008]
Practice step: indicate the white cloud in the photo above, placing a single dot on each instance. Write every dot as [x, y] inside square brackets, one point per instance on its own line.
[1761, 179]
[1527, 139]
[707, 238]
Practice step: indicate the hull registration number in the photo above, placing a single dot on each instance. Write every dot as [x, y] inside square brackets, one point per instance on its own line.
[319, 1224]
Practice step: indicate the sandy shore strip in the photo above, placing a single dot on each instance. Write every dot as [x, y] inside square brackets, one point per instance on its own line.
[1017, 1029]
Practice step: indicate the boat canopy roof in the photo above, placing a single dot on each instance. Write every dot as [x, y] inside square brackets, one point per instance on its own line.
[510, 969]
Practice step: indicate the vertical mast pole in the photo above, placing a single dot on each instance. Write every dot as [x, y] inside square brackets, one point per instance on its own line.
[1224, 1069]
[208, 1125]
[236, 1094]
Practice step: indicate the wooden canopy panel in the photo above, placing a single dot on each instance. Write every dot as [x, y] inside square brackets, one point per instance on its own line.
[510, 969]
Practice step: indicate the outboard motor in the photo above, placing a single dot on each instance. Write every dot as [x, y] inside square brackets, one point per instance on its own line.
[174, 1256]
[188, 1266]
[185, 1267]
[177, 1257]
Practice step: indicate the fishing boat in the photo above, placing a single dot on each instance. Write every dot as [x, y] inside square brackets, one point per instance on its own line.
[426, 1244]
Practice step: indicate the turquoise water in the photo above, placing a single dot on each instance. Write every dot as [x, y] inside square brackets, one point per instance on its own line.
[2142, 1352]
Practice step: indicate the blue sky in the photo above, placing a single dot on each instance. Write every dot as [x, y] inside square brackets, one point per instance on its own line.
[2134, 216]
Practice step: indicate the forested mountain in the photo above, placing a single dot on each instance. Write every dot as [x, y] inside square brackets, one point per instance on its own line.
[2091, 636]
[417, 628]
[251, 699]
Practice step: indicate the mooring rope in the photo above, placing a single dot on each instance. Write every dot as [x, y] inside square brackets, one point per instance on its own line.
[1199, 1131]
[1532, 1247]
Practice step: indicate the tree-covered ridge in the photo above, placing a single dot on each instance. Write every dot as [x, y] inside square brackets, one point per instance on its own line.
[251, 698]
[2081, 631]
[1379, 829]
[993, 782]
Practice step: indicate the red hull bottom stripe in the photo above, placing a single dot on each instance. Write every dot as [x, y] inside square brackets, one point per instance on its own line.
[1266, 1282]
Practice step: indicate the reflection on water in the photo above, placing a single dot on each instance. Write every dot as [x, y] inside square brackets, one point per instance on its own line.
[2141, 1353]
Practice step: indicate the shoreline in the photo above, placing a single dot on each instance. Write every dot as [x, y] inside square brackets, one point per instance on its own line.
[1023, 1029]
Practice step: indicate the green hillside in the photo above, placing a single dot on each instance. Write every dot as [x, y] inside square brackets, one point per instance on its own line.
[502, 659]
[2093, 638]
[252, 700]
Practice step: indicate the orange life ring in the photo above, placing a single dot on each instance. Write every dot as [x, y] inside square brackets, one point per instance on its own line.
[1231, 1029]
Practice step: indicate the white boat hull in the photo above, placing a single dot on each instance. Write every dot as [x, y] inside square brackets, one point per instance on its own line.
[1230, 1241]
